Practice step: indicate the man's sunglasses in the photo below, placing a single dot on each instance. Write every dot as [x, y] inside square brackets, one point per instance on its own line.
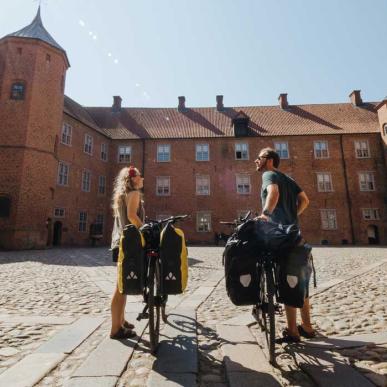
[261, 157]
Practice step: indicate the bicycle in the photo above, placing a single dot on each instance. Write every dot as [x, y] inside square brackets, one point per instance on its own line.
[154, 299]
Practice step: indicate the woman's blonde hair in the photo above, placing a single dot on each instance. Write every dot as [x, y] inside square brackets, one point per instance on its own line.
[122, 185]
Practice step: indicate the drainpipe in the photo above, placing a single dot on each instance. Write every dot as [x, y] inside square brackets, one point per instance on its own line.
[347, 190]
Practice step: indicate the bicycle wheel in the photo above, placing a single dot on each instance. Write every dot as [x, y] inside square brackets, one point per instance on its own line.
[153, 304]
[271, 314]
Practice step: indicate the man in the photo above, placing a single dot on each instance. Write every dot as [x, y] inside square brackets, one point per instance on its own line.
[282, 202]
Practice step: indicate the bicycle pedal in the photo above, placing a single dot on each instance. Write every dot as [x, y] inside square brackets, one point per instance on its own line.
[142, 316]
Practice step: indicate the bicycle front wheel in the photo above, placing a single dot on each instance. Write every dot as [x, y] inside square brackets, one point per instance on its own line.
[153, 304]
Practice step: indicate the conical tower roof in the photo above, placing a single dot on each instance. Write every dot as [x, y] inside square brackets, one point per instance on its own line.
[36, 30]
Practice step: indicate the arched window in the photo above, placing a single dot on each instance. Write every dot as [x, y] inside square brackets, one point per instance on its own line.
[5, 206]
[18, 90]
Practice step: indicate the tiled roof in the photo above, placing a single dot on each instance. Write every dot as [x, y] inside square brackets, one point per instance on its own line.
[134, 123]
[36, 30]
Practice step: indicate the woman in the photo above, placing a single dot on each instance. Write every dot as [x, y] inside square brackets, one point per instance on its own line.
[128, 208]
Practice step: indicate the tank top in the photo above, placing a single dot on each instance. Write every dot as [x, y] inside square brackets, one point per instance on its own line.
[121, 220]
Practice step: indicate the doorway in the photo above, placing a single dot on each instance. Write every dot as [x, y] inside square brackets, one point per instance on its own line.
[57, 233]
[373, 235]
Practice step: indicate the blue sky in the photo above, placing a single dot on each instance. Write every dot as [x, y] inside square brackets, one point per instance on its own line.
[152, 51]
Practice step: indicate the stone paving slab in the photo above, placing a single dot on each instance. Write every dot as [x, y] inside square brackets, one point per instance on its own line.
[177, 352]
[69, 338]
[252, 379]
[171, 380]
[36, 320]
[246, 319]
[339, 342]
[30, 370]
[102, 381]
[111, 356]
[326, 370]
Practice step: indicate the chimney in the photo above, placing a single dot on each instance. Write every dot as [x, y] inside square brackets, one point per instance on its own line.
[219, 103]
[181, 106]
[283, 101]
[355, 98]
[116, 103]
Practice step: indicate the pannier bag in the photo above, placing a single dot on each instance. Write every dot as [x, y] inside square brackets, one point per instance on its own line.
[131, 263]
[174, 260]
[240, 266]
[295, 270]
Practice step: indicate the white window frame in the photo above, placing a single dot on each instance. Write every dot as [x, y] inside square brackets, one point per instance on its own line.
[365, 179]
[362, 149]
[319, 152]
[243, 150]
[328, 218]
[101, 179]
[104, 151]
[207, 226]
[279, 149]
[324, 182]
[88, 145]
[59, 212]
[86, 180]
[163, 182]
[126, 156]
[163, 153]
[373, 213]
[63, 174]
[200, 187]
[66, 134]
[240, 184]
[82, 223]
[199, 150]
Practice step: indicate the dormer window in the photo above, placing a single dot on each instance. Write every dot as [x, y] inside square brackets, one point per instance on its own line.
[18, 90]
[241, 125]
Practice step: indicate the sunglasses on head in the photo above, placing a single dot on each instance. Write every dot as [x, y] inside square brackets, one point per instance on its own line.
[261, 157]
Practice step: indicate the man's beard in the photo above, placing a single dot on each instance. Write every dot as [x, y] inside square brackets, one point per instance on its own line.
[262, 167]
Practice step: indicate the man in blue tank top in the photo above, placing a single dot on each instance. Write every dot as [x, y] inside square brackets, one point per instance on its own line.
[282, 202]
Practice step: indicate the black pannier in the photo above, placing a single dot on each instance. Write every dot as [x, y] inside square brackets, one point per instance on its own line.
[131, 263]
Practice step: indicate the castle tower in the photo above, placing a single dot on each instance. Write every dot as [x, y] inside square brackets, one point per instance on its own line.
[32, 76]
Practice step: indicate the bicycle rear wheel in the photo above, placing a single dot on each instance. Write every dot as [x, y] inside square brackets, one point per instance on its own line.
[271, 315]
[154, 304]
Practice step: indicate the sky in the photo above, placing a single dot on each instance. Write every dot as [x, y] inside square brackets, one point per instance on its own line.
[152, 51]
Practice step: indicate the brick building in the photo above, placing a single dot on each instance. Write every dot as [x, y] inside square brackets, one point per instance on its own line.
[58, 159]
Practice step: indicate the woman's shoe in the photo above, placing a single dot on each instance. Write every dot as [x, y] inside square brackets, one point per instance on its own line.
[123, 333]
[304, 333]
[128, 325]
[287, 338]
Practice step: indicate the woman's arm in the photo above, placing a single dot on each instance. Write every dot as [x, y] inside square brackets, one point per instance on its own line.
[132, 204]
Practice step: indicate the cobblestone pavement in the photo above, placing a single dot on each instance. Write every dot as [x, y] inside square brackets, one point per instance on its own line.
[48, 284]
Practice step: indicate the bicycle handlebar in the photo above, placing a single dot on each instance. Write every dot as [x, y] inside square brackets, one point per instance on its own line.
[172, 219]
[237, 222]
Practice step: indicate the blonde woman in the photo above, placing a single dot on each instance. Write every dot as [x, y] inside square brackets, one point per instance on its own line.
[127, 208]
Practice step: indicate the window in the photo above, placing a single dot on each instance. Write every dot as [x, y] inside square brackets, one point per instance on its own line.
[67, 131]
[321, 150]
[203, 222]
[98, 225]
[324, 182]
[102, 185]
[202, 152]
[82, 221]
[328, 219]
[104, 152]
[163, 153]
[63, 173]
[88, 148]
[385, 129]
[5, 206]
[371, 213]
[362, 149]
[243, 184]
[282, 149]
[18, 90]
[163, 186]
[202, 185]
[124, 154]
[59, 212]
[86, 177]
[366, 181]
[241, 151]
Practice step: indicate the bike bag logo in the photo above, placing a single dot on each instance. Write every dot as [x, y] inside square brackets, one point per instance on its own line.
[170, 277]
[132, 275]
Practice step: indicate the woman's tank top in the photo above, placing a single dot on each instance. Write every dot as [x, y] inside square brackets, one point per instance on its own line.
[121, 220]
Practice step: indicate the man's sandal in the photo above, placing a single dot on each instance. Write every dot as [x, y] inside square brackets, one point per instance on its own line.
[287, 338]
[128, 325]
[304, 333]
[123, 333]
